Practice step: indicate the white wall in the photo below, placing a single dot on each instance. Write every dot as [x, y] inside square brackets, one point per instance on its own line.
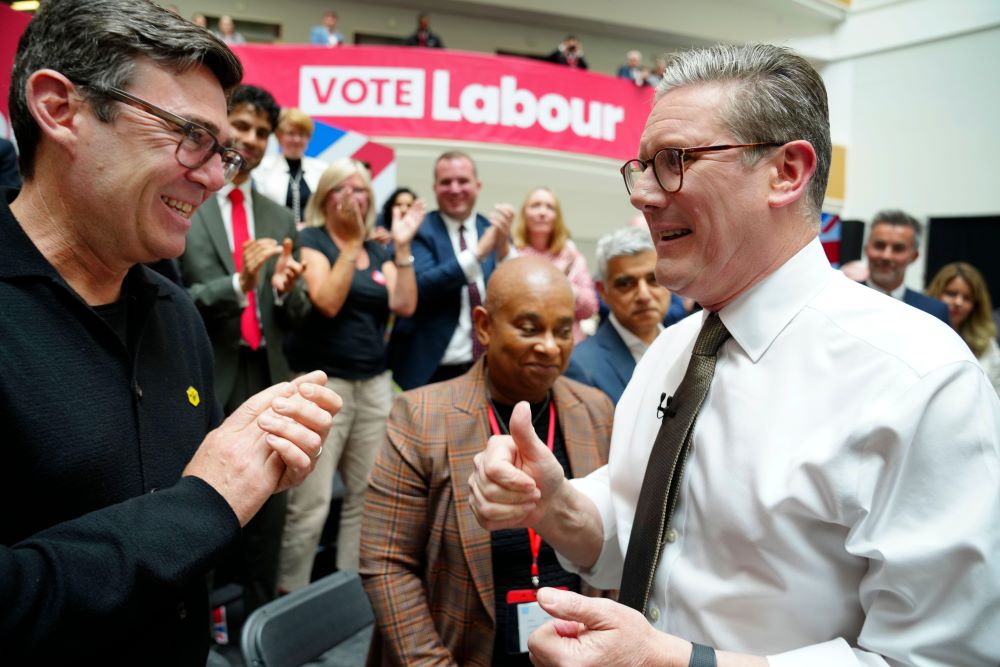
[914, 91]
[924, 131]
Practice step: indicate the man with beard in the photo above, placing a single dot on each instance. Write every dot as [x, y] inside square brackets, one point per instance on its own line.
[241, 270]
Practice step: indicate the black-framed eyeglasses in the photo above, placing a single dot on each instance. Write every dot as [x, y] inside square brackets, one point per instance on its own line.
[197, 144]
[668, 164]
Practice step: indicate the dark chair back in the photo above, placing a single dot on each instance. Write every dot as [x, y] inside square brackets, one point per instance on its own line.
[303, 625]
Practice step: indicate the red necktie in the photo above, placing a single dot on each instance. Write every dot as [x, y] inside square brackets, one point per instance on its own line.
[474, 300]
[249, 326]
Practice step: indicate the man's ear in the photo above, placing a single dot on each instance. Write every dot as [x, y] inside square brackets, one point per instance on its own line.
[794, 164]
[481, 325]
[54, 103]
[599, 285]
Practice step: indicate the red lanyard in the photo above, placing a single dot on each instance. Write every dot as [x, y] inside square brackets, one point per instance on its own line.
[534, 539]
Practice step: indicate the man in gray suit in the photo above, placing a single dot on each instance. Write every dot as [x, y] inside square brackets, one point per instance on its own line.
[240, 268]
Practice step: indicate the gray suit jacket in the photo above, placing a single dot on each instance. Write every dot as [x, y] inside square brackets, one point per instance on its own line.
[207, 268]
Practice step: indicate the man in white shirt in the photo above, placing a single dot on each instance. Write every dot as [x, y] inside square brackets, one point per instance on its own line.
[839, 504]
[626, 265]
[454, 253]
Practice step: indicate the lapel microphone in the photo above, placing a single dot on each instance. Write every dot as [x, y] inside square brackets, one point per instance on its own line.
[664, 407]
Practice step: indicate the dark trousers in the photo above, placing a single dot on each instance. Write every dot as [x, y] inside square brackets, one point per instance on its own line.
[254, 564]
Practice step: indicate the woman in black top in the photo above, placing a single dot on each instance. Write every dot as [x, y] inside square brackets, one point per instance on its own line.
[354, 285]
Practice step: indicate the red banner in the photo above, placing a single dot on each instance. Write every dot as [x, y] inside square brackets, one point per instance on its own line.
[12, 24]
[410, 92]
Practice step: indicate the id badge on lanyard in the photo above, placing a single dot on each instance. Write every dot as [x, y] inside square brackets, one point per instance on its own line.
[523, 610]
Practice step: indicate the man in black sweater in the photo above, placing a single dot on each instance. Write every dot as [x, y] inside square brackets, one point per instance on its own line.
[117, 496]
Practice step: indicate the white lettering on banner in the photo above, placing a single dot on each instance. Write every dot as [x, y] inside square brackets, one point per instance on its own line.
[398, 92]
[374, 92]
[511, 106]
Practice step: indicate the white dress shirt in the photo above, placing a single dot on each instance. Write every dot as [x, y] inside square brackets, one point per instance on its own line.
[226, 208]
[841, 499]
[897, 293]
[459, 350]
[636, 346]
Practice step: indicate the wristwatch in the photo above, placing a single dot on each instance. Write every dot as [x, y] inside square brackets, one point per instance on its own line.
[702, 656]
[404, 262]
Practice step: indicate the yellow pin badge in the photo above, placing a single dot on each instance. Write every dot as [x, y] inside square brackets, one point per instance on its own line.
[193, 397]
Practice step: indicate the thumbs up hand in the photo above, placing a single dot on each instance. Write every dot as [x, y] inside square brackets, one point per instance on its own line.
[515, 478]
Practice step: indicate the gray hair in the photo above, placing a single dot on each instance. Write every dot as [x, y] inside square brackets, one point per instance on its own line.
[900, 219]
[621, 243]
[775, 95]
[96, 44]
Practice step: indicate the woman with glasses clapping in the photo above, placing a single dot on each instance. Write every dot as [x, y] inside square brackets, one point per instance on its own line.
[354, 285]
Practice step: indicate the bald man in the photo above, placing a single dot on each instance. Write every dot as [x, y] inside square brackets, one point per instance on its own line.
[445, 590]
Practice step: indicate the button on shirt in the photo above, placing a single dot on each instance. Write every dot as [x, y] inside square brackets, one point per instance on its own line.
[841, 500]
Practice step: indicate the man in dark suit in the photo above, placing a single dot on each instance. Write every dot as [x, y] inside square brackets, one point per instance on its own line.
[894, 244]
[9, 177]
[241, 272]
[454, 253]
[626, 264]
[438, 582]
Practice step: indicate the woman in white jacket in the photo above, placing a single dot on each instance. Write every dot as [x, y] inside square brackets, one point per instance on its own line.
[289, 178]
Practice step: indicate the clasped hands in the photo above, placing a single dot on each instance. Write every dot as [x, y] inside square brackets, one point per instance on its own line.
[268, 444]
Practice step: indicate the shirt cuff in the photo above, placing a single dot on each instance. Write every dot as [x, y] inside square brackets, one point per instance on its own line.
[241, 298]
[834, 653]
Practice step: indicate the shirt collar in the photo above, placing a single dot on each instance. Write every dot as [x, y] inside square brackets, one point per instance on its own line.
[469, 223]
[20, 257]
[897, 293]
[245, 186]
[756, 317]
[636, 346]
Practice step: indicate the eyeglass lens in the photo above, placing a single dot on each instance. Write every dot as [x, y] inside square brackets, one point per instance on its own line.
[197, 147]
[667, 167]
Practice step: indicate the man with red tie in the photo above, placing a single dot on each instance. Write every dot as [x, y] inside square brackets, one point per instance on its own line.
[241, 269]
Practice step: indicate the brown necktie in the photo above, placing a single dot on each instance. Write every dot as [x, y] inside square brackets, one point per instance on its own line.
[474, 299]
[665, 468]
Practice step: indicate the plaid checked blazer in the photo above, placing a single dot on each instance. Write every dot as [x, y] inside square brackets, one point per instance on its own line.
[425, 560]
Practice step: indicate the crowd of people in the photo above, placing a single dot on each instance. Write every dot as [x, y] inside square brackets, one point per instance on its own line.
[805, 468]
[569, 52]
